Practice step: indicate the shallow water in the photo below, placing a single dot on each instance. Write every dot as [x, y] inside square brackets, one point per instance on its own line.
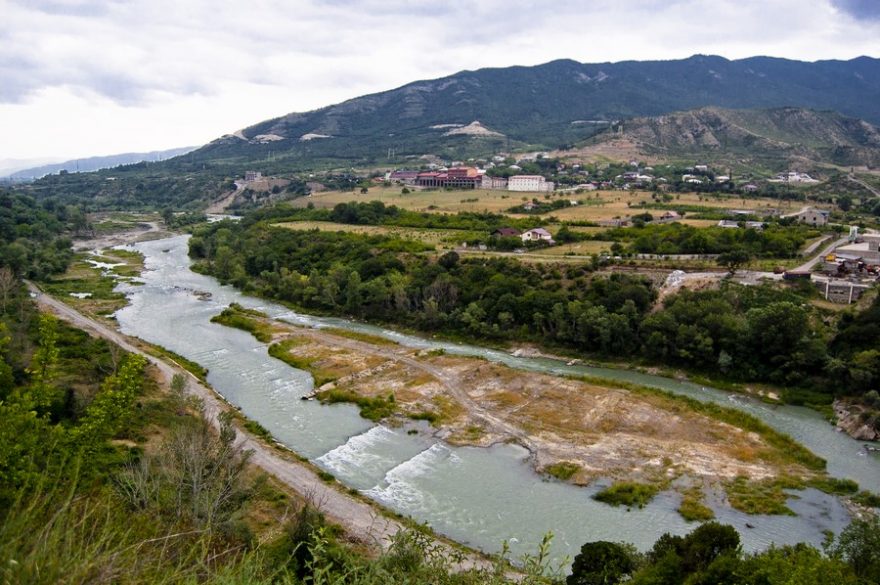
[477, 496]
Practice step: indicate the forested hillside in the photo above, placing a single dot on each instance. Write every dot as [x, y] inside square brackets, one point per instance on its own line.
[546, 106]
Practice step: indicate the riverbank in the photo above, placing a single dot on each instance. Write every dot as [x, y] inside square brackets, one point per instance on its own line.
[576, 430]
[365, 524]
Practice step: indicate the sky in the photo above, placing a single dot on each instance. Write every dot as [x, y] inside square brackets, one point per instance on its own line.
[88, 77]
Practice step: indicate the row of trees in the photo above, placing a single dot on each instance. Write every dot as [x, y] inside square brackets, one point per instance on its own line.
[711, 555]
[747, 333]
[677, 238]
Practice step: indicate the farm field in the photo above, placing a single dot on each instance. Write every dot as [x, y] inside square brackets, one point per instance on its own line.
[601, 205]
[438, 238]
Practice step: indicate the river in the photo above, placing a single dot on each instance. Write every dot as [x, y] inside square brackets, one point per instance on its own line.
[479, 497]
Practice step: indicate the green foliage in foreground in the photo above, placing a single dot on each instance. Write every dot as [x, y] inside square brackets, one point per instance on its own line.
[31, 240]
[711, 555]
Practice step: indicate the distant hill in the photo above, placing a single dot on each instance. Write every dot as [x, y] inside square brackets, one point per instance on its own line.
[785, 135]
[546, 106]
[96, 163]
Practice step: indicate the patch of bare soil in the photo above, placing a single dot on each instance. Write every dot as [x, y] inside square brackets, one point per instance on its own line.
[606, 432]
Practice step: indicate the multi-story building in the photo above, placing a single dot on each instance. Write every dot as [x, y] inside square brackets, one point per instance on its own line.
[459, 177]
[535, 183]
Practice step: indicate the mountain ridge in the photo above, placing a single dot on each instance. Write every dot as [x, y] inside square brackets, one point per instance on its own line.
[776, 137]
[96, 163]
[540, 106]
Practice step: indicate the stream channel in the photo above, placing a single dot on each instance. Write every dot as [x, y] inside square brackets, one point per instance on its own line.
[476, 496]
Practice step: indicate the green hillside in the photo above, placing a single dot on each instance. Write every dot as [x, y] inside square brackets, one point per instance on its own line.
[546, 106]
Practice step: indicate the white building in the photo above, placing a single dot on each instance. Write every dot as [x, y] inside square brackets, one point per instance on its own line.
[536, 234]
[535, 183]
[810, 216]
[794, 177]
[253, 176]
[487, 182]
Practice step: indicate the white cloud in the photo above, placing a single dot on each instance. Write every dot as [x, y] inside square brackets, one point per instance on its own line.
[83, 77]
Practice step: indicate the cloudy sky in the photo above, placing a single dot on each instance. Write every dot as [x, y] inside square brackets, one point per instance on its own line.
[91, 77]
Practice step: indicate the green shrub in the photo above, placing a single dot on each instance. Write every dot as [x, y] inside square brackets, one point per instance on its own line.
[627, 493]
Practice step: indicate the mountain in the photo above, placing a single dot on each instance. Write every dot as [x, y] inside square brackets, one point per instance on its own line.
[95, 163]
[781, 135]
[11, 165]
[546, 106]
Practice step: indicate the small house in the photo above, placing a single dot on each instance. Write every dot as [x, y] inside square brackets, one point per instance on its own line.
[537, 235]
[506, 232]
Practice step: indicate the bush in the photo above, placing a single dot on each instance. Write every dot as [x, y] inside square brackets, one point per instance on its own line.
[627, 493]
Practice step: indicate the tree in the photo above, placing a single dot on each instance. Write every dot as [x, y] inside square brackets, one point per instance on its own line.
[734, 259]
[106, 414]
[449, 260]
[859, 546]
[8, 283]
[601, 563]
[708, 542]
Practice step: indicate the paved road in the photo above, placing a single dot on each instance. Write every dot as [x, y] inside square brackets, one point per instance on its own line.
[812, 247]
[809, 264]
[361, 520]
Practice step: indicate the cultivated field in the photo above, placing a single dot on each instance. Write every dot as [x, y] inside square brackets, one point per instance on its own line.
[598, 205]
[438, 238]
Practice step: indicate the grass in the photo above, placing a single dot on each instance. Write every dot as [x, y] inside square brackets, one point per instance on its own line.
[868, 499]
[374, 409]
[598, 204]
[834, 486]
[428, 415]
[83, 278]
[436, 237]
[281, 351]
[257, 429]
[359, 336]
[326, 476]
[762, 497]
[563, 470]
[692, 507]
[627, 493]
[190, 366]
[248, 320]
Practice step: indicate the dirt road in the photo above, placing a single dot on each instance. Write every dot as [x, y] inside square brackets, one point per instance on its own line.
[453, 384]
[361, 520]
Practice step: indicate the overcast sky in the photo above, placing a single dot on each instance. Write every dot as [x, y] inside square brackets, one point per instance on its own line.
[92, 77]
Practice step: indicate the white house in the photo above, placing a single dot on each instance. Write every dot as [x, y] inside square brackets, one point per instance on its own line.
[537, 234]
[529, 183]
[810, 216]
